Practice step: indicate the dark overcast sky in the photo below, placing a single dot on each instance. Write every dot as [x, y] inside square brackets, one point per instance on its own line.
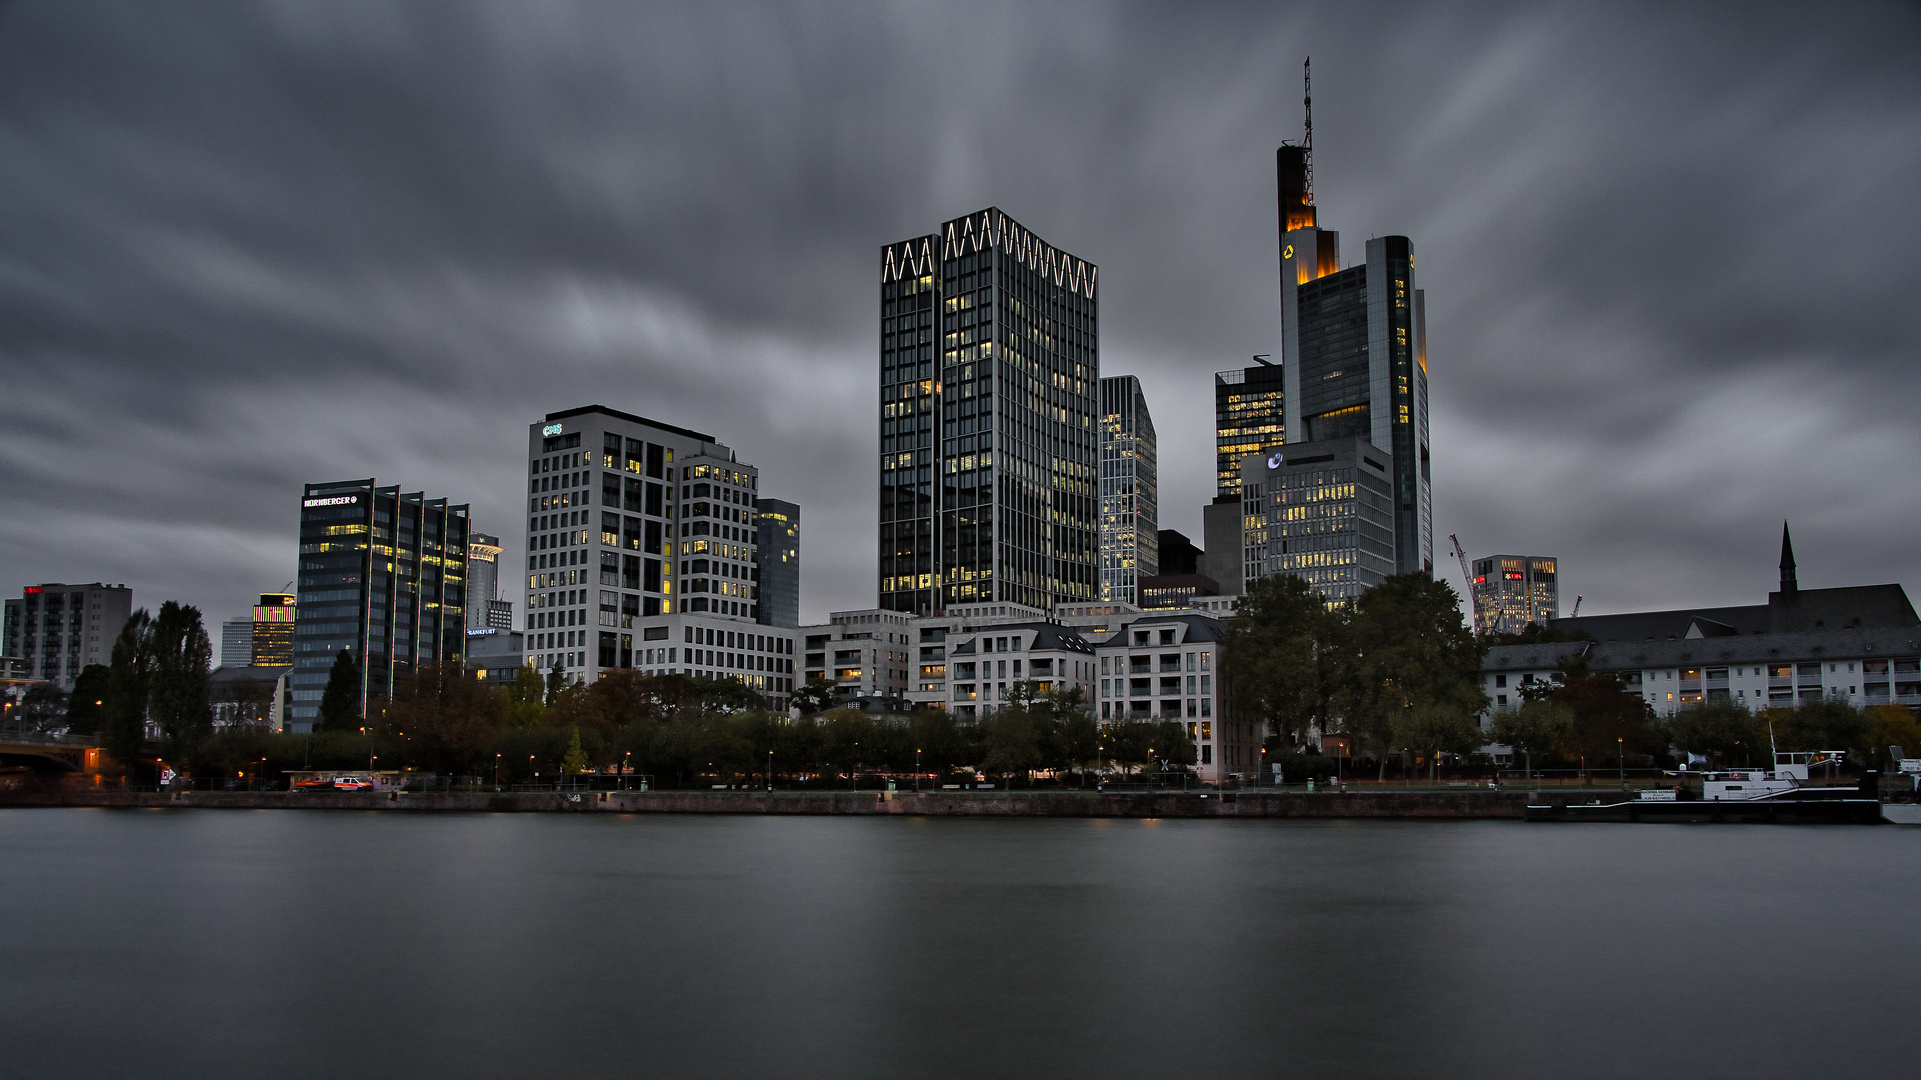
[1669, 256]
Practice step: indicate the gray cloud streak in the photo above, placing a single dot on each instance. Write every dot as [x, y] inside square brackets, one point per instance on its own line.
[1667, 256]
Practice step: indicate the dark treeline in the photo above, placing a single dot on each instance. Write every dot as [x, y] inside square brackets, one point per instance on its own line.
[678, 729]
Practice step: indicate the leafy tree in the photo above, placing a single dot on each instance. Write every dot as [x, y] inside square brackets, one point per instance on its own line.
[1437, 728]
[525, 704]
[1272, 660]
[556, 682]
[575, 760]
[1608, 718]
[1894, 725]
[1403, 645]
[129, 677]
[42, 708]
[340, 701]
[86, 706]
[449, 718]
[1826, 724]
[182, 658]
[814, 698]
[1015, 736]
[1537, 727]
[1718, 728]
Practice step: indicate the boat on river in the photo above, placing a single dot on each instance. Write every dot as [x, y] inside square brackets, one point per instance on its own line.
[1776, 795]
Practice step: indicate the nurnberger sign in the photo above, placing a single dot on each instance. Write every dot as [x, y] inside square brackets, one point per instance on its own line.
[336, 500]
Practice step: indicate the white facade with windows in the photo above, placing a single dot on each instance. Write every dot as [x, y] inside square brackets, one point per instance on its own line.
[1167, 668]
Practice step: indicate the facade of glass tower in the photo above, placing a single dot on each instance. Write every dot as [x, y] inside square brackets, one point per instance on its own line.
[1249, 416]
[383, 575]
[1354, 346]
[1130, 491]
[989, 376]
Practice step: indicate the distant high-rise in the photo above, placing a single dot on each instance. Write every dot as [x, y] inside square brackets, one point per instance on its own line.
[236, 643]
[1354, 350]
[56, 630]
[641, 543]
[1178, 555]
[1511, 591]
[777, 562]
[1130, 499]
[273, 626]
[483, 579]
[383, 575]
[1320, 512]
[989, 373]
[1249, 417]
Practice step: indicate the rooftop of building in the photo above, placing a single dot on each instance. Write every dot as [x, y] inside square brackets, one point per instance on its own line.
[1839, 643]
[1200, 628]
[632, 419]
[1047, 637]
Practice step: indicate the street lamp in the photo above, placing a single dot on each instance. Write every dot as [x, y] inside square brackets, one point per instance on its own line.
[770, 772]
[1620, 746]
[917, 770]
[496, 772]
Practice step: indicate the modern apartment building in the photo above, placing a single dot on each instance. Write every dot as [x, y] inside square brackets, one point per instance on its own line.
[1130, 491]
[777, 562]
[642, 541]
[989, 374]
[382, 575]
[864, 654]
[1323, 512]
[1511, 591]
[55, 630]
[1165, 666]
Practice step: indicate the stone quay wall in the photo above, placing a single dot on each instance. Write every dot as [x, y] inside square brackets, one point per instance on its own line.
[1129, 804]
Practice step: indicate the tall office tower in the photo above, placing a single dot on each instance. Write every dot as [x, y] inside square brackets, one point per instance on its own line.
[236, 643]
[671, 559]
[273, 625]
[1321, 512]
[500, 614]
[382, 575]
[483, 579]
[777, 562]
[56, 630]
[989, 367]
[1130, 491]
[1511, 591]
[1354, 345]
[1249, 418]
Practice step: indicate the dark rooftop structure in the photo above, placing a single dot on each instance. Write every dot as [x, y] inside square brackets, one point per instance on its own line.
[1789, 610]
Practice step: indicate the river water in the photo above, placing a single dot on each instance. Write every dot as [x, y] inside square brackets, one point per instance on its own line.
[288, 943]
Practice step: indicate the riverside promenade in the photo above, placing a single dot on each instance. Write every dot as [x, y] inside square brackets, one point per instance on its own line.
[1430, 805]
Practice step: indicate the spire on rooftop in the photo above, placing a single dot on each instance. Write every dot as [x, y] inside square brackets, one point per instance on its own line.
[1788, 584]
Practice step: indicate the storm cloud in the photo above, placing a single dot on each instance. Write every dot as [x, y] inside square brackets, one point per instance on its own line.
[1668, 254]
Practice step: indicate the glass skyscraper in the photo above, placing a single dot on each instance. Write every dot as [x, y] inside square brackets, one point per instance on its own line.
[383, 575]
[1249, 417]
[1511, 591]
[989, 375]
[777, 562]
[1355, 358]
[1130, 495]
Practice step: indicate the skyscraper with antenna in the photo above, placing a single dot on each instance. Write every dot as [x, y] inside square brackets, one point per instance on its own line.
[1354, 366]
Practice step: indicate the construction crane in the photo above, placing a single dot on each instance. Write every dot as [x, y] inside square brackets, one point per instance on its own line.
[1576, 613]
[1473, 599]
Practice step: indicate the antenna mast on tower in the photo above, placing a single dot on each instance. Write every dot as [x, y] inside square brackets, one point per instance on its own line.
[1307, 134]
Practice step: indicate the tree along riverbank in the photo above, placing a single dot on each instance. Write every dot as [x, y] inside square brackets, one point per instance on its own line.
[1126, 804]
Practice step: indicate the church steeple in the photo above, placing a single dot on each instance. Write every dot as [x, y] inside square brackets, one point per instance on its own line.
[1788, 584]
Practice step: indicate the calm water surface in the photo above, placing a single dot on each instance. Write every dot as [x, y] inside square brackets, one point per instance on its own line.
[282, 943]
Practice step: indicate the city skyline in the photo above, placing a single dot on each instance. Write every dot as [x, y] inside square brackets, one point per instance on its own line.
[374, 303]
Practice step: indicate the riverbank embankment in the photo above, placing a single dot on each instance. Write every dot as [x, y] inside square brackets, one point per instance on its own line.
[1466, 805]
